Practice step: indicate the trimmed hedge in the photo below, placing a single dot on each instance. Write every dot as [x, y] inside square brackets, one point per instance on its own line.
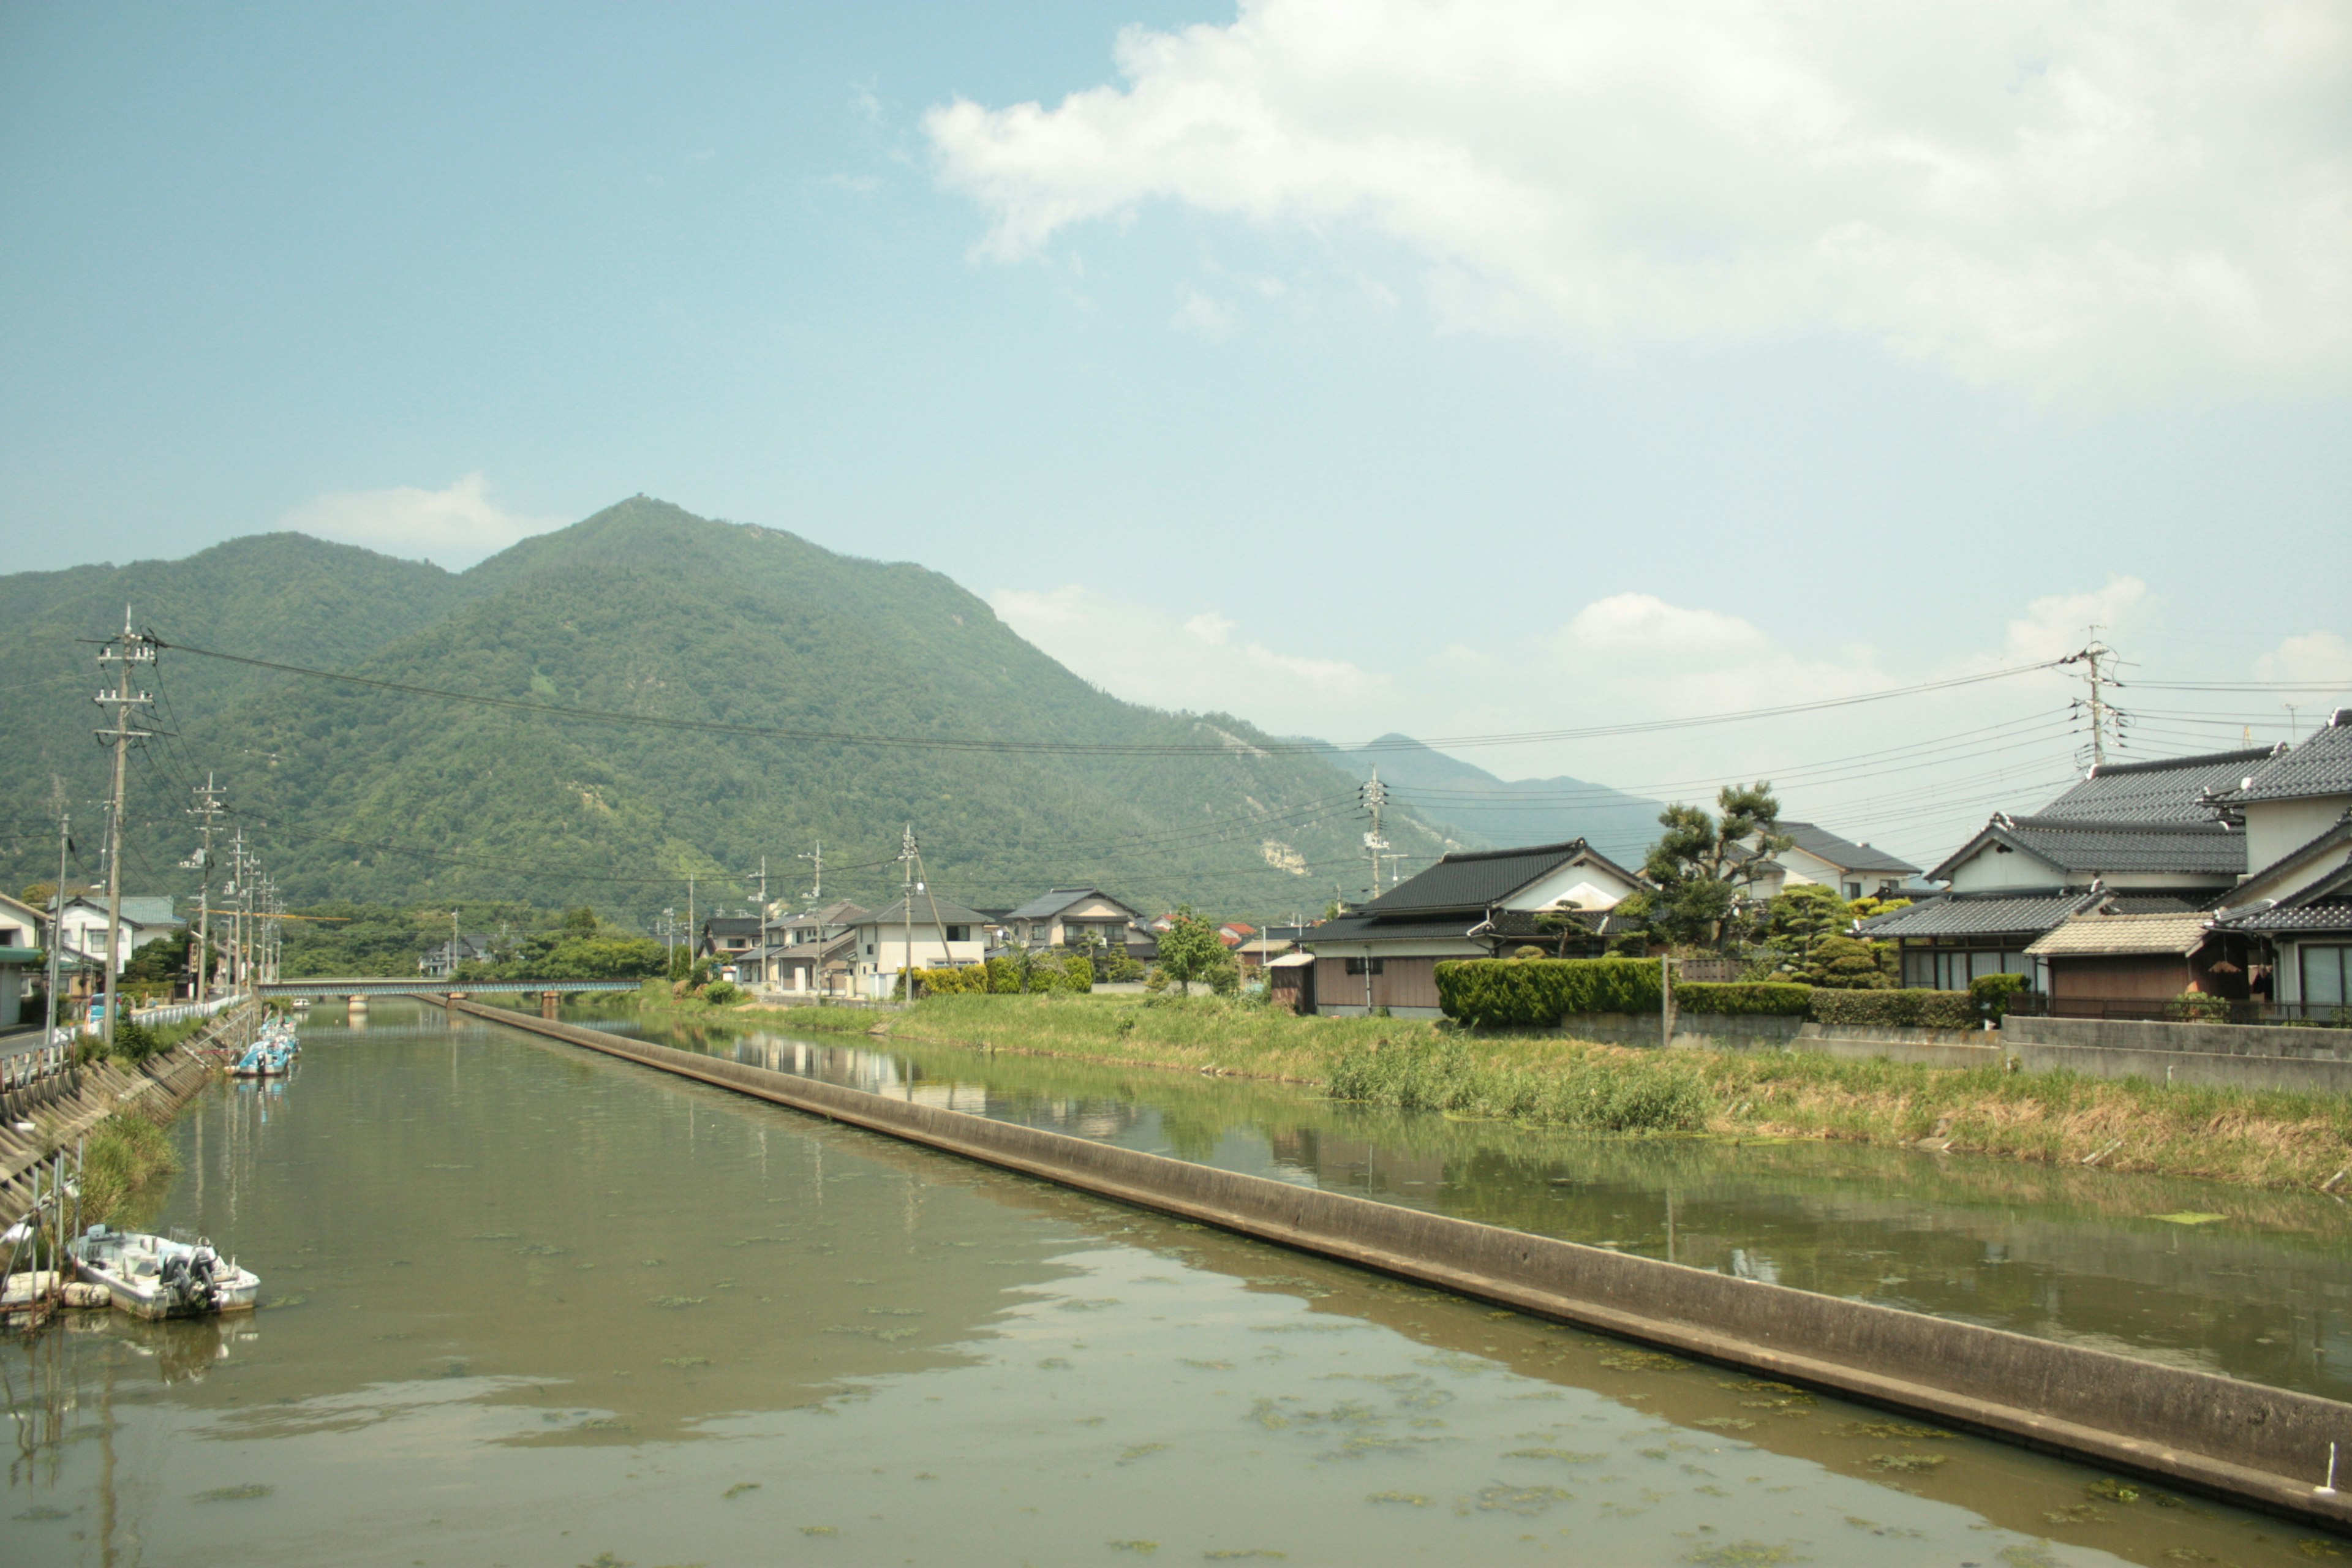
[1749, 998]
[1537, 993]
[1910, 1009]
[1001, 977]
[1989, 993]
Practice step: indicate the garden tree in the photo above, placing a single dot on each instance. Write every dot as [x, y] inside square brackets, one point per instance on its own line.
[157, 962]
[581, 921]
[1190, 951]
[1866, 908]
[1798, 921]
[1702, 864]
[1849, 964]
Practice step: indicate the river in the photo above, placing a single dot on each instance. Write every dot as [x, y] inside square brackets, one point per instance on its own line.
[528, 1306]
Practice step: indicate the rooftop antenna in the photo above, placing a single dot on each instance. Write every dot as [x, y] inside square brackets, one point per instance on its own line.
[2290, 707]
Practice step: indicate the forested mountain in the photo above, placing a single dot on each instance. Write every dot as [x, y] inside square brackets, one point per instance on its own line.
[369, 794]
[1482, 808]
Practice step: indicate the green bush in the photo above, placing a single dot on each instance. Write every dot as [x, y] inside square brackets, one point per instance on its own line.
[1537, 993]
[1989, 993]
[1079, 972]
[1746, 999]
[2196, 1007]
[1908, 1009]
[719, 992]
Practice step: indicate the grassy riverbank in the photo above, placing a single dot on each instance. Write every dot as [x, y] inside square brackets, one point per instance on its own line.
[127, 1164]
[2258, 1138]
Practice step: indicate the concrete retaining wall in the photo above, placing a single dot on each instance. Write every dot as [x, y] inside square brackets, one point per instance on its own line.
[64, 1107]
[2217, 1056]
[2261, 1447]
[1770, 1032]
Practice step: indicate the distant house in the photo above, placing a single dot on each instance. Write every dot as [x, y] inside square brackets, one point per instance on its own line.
[1816, 857]
[143, 919]
[813, 951]
[935, 933]
[1072, 917]
[20, 950]
[441, 962]
[2130, 838]
[1468, 905]
[2297, 808]
[22, 925]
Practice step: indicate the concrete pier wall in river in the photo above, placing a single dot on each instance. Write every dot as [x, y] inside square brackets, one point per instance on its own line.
[2261, 1447]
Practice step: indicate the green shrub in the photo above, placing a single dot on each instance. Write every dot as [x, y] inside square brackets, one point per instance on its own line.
[134, 1042]
[1079, 972]
[1989, 993]
[719, 992]
[1909, 1009]
[1537, 993]
[2198, 1007]
[1745, 998]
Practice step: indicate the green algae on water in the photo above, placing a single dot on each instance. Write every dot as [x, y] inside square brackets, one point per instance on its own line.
[244, 1493]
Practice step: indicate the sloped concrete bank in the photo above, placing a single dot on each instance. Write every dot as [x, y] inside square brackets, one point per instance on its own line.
[2262, 1447]
[63, 1107]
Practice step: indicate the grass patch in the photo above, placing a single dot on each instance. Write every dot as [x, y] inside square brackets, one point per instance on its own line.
[126, 1164]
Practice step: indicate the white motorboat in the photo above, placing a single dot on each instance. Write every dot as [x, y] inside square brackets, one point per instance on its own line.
[163, 1276]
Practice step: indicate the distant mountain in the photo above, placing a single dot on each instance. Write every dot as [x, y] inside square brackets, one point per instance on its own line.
[1478, 807]
[372, 794]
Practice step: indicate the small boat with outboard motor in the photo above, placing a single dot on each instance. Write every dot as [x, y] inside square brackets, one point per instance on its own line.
[176, 1276]
[271, 1055]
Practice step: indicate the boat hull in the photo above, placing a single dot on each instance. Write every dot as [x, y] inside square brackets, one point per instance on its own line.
[144, 1293]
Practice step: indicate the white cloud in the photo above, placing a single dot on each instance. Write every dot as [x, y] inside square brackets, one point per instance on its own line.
[2313, 657]
[2105, 200]
[1198, 313]
[1147, 656]
[2059, 624]
[452, 527]
[1647, 624]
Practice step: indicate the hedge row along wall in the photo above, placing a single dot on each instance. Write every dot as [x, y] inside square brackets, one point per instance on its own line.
[1537, 993]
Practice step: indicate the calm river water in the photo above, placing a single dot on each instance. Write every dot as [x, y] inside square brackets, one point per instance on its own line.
[528, 1306]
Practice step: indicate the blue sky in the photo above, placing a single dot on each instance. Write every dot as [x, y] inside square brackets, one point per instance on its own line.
[1350, 368]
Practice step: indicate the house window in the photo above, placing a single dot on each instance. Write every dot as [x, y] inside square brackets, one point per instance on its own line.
[1365, 965]
[1853, 889]
[959, 933]
[2327, 974]
[1951, 968]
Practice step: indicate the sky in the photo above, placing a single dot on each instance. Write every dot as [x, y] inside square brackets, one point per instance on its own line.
[1469, 371]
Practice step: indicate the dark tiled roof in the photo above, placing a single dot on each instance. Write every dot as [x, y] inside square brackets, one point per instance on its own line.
[2330, 915]
[1962, 915]
[1371, 928]
[1842, 853]
[1473, 880]
[1047, 905]
[895, 913]
[732, 925]
[2321, 766]
[2171, 789]
[2188, 846]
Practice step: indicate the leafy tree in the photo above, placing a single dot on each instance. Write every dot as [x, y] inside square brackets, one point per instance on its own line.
[1191, 952]
[157, 962]
[1850, 964]
[581, 921]
[1798, 921]
[1702, 864]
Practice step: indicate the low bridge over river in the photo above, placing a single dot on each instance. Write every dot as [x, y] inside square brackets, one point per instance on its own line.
[378, 985]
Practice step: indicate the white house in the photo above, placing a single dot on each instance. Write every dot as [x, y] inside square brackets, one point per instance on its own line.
[2297, 808]
[1474, 905]
[143, 919]
[1816, 857]
[1069, 917]
[936, 933]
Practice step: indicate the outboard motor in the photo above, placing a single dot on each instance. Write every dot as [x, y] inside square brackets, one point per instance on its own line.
[204, 1284]
[178, 1293]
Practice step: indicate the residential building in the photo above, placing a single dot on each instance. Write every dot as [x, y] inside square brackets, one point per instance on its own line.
[1817, 857]
[1072, 917]
[441, 962]
[2129, 839]
[1474, 904]
[22, 925]
[2297, 811]
[143, 919]
[935, 933]
[2098, 963]
[21, 952]
[730, 941]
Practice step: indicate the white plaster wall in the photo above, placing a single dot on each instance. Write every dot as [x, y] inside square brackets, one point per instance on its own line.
[2277, 828]
[1587, 886]
[1989, 869]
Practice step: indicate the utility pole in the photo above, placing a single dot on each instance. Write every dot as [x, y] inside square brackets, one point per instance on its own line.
[669, 936]
[816, 894]
[907, 905]
[690, 917]
[763, 875]
[127, 655]
[206, 808]
[1375, 796]
[2102, 715]
[2290, 707]
[56, 924]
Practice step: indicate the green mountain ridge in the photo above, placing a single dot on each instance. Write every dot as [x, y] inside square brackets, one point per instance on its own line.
[360, 793]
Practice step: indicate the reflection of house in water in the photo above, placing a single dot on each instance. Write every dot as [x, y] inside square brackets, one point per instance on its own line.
[1353, 1164]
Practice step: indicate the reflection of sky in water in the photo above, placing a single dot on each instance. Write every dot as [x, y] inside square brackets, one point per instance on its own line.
[558, 1310]
[2263, 1293]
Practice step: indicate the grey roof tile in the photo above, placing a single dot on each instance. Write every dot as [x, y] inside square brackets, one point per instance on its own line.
[2196, 848]
[951, 913]
[1046, 906]
[1845, 855]
[1476, 879]
[2321, 766]
[2170, 789]
[1963, 915]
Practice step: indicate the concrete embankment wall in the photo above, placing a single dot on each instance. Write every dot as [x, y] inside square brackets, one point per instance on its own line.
[66, 1105]
[2261, 1447]
[2222, 1055]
